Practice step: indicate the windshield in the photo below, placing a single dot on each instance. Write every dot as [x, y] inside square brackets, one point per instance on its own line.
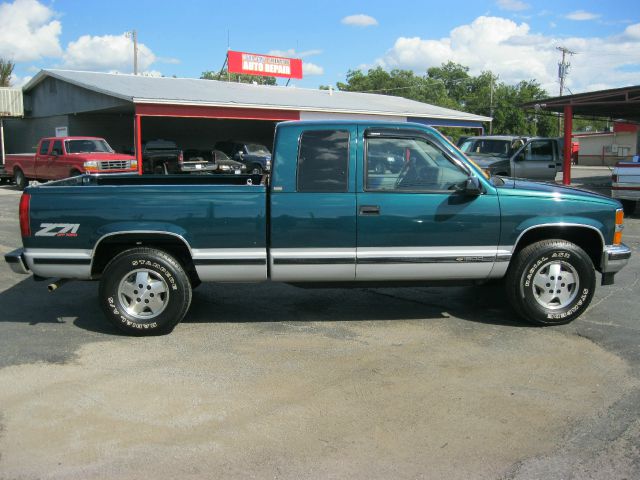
[257, 149]
[220, 155]
[496, 148]
[88, 146]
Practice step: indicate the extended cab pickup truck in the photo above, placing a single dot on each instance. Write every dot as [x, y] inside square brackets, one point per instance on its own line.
[509, 156]
[62, 157]
[625, 184]
[327, 218]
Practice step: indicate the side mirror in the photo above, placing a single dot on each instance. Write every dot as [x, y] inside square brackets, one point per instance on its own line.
[473, 186]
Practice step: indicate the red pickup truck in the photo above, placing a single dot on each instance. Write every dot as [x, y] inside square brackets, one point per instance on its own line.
[62, 157]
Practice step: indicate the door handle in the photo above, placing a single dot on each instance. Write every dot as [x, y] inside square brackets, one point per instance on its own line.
[551, 166]
[369, 210]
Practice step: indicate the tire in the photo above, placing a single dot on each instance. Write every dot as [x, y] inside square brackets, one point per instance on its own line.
[629, 206]
[75, 173]
[256, 169]
[20, 179]
[542, 265]
[159, 307]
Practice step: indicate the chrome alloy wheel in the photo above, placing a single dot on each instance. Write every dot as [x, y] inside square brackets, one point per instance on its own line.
[143, 293]
[555, 285]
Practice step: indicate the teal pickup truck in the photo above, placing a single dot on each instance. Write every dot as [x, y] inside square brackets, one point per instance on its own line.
[328, 217]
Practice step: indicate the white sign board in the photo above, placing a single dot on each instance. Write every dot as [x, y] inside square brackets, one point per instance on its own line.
[62, 131]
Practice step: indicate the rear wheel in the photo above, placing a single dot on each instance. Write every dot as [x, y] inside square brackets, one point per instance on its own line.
[20, 179]
[144, 291]
[256, 169]
[551, 282]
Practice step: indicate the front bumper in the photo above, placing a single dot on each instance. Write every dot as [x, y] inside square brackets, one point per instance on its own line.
[16, 261]
[615, 257]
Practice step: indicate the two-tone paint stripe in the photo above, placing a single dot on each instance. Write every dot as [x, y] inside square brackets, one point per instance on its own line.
[230, 264]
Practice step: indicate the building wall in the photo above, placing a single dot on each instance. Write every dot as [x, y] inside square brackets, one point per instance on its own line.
[54, 97]
[116, 129]
[21, 135]
[598, 149]
[350, 116]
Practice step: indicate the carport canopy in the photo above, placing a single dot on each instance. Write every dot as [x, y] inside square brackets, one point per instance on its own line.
[617, 103]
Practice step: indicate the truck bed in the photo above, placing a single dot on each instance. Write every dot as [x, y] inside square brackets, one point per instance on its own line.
[214, 216]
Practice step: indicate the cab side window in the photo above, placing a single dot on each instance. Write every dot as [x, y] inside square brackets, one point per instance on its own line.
[323, 161]
[57, 148]
[540, 150]
[44, 147]
[410, 164]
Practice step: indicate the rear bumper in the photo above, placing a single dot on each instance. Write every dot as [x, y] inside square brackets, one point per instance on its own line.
[16, 261]
[615, 257]
[197, 167]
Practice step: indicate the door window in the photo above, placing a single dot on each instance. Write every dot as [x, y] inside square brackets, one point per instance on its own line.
[57, 148]
[323, 161]
[410, 164]
[44, 147]
[540, 150]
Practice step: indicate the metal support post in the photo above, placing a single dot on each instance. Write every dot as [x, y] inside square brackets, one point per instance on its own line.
[138, 139]
[568, 127]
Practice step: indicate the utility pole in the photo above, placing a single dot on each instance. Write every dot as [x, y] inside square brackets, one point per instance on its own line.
[491, 106]
[134, 36]
[563, 71]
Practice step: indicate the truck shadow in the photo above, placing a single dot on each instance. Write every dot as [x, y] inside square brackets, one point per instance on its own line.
[28, 302]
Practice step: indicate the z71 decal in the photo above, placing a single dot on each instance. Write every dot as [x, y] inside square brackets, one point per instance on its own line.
[58, 230]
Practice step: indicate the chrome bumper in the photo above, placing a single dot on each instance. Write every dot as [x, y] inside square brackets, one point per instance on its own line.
[615, 257]
[15, 259]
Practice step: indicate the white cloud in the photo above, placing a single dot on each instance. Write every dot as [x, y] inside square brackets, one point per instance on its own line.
[16, 81]
[309, 69]
[581, 16]
[28, 31]
[513, 5]
[515, 53]
[107, 52]
[360, 20]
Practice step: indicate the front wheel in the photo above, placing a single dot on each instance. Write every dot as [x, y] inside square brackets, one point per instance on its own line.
[256, 169]
[144, 291]
[551, 282]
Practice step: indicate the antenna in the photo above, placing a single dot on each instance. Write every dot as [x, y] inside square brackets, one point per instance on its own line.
[134, 35]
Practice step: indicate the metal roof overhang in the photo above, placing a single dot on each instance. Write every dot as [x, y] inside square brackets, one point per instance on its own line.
[173, 108]
[617, 103]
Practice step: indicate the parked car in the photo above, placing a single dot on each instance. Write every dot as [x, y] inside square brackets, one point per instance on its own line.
[324, 220]
[625, 184]
[62, 157]
[255, 156]
[513, 156]
[197, 161]
[225, 165]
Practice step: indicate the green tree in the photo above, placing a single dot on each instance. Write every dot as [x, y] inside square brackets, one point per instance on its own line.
[6, 70]
[456, 80]
[238, 77]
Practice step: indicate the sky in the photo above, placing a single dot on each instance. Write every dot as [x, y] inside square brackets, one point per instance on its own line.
[516, 39]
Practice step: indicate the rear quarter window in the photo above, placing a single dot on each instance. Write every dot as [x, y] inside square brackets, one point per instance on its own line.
[323, 161]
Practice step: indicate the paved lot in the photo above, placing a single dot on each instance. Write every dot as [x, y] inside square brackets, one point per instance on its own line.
[277, 382]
